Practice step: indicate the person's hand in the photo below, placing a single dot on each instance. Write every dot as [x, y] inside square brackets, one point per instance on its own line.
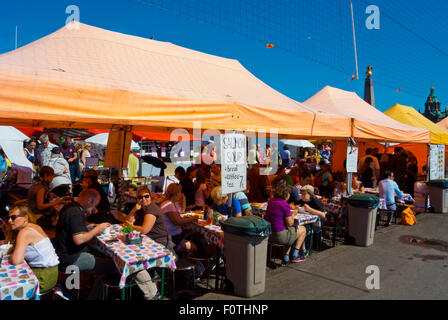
[58, 201]
[128, 223]
[65, 170]
[307, 207]
[137, 206]
[103, 226]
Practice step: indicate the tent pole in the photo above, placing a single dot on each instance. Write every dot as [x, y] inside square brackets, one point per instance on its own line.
[354, 41]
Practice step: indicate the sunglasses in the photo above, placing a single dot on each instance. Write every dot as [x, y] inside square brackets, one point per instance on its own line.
[14, 217]
[147, 196]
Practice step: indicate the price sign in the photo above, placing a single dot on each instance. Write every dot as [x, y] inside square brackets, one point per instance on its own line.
[437, 162]
[233, 163]
[352, 159]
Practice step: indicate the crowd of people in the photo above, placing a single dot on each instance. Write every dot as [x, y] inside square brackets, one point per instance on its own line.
[68, 200]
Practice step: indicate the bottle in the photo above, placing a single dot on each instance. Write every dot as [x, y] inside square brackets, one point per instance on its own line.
[206, 213]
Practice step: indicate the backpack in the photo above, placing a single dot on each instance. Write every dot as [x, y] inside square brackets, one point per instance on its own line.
[408, 217]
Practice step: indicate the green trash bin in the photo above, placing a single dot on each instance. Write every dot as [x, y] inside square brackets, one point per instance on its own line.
[438, 195]
[246, 241]
[362, 211]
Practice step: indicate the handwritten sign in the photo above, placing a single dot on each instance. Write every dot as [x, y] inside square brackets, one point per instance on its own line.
[437, 162]
[352, 159]
[233, 163]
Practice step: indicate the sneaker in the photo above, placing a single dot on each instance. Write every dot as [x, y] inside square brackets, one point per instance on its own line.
[62, 292]
[157, 296]
[297, 259]
[304, 253]
[285, 259]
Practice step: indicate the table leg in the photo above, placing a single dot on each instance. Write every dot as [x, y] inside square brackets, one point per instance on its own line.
[162, 286]
[335, 229]
[218, 256]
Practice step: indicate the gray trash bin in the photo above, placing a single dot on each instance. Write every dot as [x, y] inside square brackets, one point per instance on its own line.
[246, 241]
[438, 195]
[362, 211]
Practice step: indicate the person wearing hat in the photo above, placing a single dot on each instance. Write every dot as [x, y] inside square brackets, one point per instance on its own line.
[311, 205]
[62, 181]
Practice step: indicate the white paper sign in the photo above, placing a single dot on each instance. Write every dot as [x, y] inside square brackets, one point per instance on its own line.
[352, 159]
[436, 162]
[163, 152]
[233, 163]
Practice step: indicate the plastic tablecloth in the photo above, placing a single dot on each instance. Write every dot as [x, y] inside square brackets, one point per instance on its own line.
[132, 258]
[213, 234]
[17, 282]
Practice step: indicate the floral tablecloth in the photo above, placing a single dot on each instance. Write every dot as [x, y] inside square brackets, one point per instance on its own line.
[212, 234]
[305, 218]
[132, 258]
[17, 282]
[331, 207]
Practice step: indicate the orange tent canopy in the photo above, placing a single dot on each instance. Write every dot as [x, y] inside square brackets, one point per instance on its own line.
[151, 135]
[444, 123]
[94, 78]
[368, 122]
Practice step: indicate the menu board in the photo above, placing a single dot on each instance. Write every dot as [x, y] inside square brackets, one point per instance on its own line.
[233, 163]
[352, 159]
[436, 162]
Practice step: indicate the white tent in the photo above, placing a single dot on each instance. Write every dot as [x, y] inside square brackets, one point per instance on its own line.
[298, 143]
[102, 139]
[11, 141]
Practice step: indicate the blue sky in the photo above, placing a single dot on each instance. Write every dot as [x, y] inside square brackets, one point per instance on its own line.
[322, 32]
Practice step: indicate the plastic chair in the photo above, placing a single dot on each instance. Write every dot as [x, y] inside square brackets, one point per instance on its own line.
[181, 266]
[271, 264]
[60, 286]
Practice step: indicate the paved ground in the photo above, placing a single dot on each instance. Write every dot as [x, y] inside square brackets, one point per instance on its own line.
[407, 271]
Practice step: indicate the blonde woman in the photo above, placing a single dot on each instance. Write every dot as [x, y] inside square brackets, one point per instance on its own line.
[31, 244]
[175, 204]
[221, 203]
[84, 154]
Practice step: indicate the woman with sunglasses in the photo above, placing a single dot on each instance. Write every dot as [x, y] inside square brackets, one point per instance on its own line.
[147, 218]
[32, 245]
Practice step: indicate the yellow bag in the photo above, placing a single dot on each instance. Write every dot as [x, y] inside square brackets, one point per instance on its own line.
[408, 217]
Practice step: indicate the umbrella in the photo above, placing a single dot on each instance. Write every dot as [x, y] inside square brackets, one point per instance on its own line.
[102, 140]
[298, 143]
[154, 162]
[11, 141]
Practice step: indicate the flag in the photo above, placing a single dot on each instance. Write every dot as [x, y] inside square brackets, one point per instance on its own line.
[353, 77]
[270, 45]
[399, 89]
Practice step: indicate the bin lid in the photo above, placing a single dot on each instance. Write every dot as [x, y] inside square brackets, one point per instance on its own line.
[247, 225]
[363, 201]
[441, 183]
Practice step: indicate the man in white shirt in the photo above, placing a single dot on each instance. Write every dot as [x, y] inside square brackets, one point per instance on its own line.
[44, 150]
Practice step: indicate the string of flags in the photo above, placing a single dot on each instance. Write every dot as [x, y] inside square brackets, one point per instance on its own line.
[270, 45]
